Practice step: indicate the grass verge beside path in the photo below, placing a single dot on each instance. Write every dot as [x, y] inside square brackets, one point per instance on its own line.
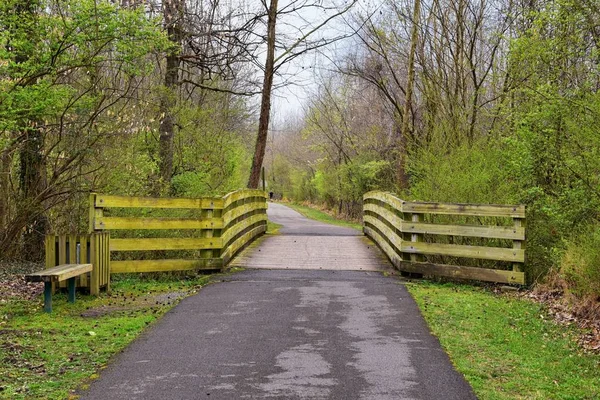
[48, 356]
[507, 348]
[322, 216]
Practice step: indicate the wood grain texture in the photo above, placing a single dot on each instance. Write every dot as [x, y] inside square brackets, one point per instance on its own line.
[59, 273]
[108, 223]
[237, 195]
[118, 267]
[479, 210]
[481, 252]
[459, 272]
[142, 244]
[106, 201]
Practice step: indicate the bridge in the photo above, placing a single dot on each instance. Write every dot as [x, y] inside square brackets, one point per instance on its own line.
[318, 312]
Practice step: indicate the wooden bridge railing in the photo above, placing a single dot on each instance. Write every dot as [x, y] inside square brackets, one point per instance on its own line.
[400, 229]
[212, 229]
[221, 227]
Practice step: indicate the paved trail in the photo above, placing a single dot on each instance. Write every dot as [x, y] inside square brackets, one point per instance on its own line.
[289, 334]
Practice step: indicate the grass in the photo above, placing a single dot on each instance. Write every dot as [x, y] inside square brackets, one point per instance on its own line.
[507, 348]
[273, 228]
[48, 356]
[321, 216]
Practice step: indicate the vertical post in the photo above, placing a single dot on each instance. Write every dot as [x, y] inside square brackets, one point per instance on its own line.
[207, 233]
[92, 212]
[416, 237]
[95, 260]
[106, 253]
[71, 288]
[48, 297]
[518, 244]
[82, 259]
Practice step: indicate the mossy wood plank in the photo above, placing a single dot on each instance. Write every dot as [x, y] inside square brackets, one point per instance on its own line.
[459, 272]
[384, 229]
[388, 250]
[59, 273]
[480, 210]
[164, 265]
[241, 225]
[481, 252]
[50, 245]
[242, 194]
[157, 223]
[386, 214]
[164, 244]
[492, 232]
[106, 201]
[83, 241]
[385, 197]
[243, 209]
[241, 242]
[95, 259]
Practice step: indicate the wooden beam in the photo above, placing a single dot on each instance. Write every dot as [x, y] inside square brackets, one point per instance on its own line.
[105, 201]
[458, 272]
[156, 223]
[59, 273]
[480, 210]
[164, 265]
[482, 252]
[142, 244]
[491, 232]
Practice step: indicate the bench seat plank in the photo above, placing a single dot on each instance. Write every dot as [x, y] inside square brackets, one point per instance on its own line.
[59, 273]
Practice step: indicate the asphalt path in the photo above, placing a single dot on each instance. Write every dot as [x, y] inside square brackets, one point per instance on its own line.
[288, 334]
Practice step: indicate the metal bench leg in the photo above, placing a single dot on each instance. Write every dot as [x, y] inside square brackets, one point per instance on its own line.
[48, 297]
[71, 287]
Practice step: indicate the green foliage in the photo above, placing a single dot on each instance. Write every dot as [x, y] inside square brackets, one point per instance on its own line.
[463, 174]
[580, 264]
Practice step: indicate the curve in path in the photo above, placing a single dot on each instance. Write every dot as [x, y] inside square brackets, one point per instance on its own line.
[303, 243]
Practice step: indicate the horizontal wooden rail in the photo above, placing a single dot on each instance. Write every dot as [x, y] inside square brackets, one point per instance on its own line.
[105, 201]
[398, 228]
[129, 223]
[222, 226]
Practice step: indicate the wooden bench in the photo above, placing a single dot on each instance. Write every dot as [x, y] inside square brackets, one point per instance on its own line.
[56, 274]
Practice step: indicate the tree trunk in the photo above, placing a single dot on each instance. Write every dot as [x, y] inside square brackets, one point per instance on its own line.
[32, 172]
[173, 20]
[410, 83]
[405, 132]
[265, 106]
[32, 184]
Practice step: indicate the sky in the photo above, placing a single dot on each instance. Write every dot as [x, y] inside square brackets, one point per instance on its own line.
[304, 71]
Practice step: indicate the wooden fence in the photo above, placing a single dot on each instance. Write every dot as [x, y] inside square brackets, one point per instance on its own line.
[82, 249]
[398, 228]
[222, 226]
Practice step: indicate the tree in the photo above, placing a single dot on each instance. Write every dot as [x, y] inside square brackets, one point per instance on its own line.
[273, 63]
[63, 67]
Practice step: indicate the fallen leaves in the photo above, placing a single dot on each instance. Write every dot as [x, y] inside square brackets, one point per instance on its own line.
[567, 310]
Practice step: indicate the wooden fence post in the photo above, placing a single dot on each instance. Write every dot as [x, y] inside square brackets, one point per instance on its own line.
[518, 244]
[416, 237]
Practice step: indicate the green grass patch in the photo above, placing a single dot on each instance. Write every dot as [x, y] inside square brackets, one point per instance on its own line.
[322, 216]
[273, 228]
[507, 348]
[48, 356]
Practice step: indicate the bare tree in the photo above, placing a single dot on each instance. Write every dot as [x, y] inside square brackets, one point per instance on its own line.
[273, 63]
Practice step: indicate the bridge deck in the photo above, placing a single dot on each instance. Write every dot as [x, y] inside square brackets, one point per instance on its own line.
[307, 244]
